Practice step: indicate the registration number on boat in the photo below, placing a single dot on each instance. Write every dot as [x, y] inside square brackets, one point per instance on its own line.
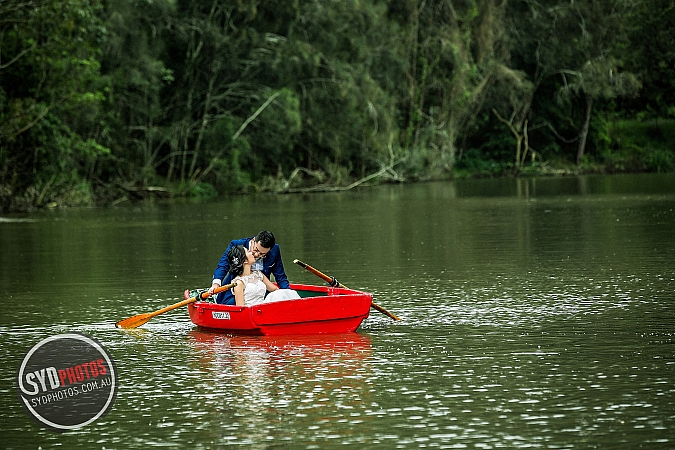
[221, 315]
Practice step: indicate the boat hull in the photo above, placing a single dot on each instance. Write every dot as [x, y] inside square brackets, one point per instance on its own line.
[322, 309]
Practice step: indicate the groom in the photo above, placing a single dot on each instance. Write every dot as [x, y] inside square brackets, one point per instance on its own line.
[267, 260]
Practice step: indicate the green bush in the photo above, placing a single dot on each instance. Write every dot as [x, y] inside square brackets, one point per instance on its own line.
[640, 146]
[473, 162]
[204, 191]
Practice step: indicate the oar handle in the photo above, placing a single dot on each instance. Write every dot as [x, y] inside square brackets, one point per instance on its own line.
[319, 274]
[204, 294]
[217, 290]
[334, 282]
[140, 319]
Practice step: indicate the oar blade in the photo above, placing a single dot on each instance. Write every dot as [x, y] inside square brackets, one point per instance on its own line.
[134, 322]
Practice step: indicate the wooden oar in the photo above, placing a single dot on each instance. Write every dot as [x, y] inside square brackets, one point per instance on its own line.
[139, 319]
[336, 283]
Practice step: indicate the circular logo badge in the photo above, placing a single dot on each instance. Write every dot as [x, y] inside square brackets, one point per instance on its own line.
[67, 381]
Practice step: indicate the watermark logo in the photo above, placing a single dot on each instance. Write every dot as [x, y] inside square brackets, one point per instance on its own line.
[67, 381]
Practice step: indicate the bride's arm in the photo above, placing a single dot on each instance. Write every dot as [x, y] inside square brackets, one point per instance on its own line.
[271, 287]
[239, 293]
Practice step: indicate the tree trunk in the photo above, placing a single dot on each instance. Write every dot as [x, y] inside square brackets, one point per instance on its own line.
[516, 131]
[583, 133]
[412, 125]
[526, 144]
[205, 119]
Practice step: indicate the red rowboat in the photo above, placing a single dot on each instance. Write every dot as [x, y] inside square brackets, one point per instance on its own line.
[321, 309]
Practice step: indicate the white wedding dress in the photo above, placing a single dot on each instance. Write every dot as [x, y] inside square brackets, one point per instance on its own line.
[255, 289]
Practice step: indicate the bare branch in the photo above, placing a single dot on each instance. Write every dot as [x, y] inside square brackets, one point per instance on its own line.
[326, 188]
[17, 57]
[255, 114]
[553, 130]
[241, 129]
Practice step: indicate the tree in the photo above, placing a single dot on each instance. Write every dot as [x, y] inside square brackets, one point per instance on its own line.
[650, 53]
[572, 44]
[134, 75]
[334, 57]
[595, 73]
[454, 55]
[48, 98]
[598, 78]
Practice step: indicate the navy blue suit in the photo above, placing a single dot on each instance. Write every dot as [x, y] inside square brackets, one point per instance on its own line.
[271, 265]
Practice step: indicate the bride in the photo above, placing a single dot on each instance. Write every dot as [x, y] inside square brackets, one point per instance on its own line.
[253, 285]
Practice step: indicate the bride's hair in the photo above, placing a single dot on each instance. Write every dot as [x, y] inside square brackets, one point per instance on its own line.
[236, 257]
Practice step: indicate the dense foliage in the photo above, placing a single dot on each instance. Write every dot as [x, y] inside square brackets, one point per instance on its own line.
[107, 100]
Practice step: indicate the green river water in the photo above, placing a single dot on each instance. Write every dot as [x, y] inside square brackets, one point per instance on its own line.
[536, 313]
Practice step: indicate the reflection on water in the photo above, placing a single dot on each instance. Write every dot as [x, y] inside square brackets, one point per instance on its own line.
[535, 314]
[263, 383]
[252, 390]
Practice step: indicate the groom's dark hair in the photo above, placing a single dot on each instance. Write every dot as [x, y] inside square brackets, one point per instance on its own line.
[266, 239]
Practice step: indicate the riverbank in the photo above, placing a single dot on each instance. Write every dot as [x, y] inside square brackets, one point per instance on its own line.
[83, 195]
[620, 146]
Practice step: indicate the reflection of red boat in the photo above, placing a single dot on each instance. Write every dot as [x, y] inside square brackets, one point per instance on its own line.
[349, 343]
[322, 309]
